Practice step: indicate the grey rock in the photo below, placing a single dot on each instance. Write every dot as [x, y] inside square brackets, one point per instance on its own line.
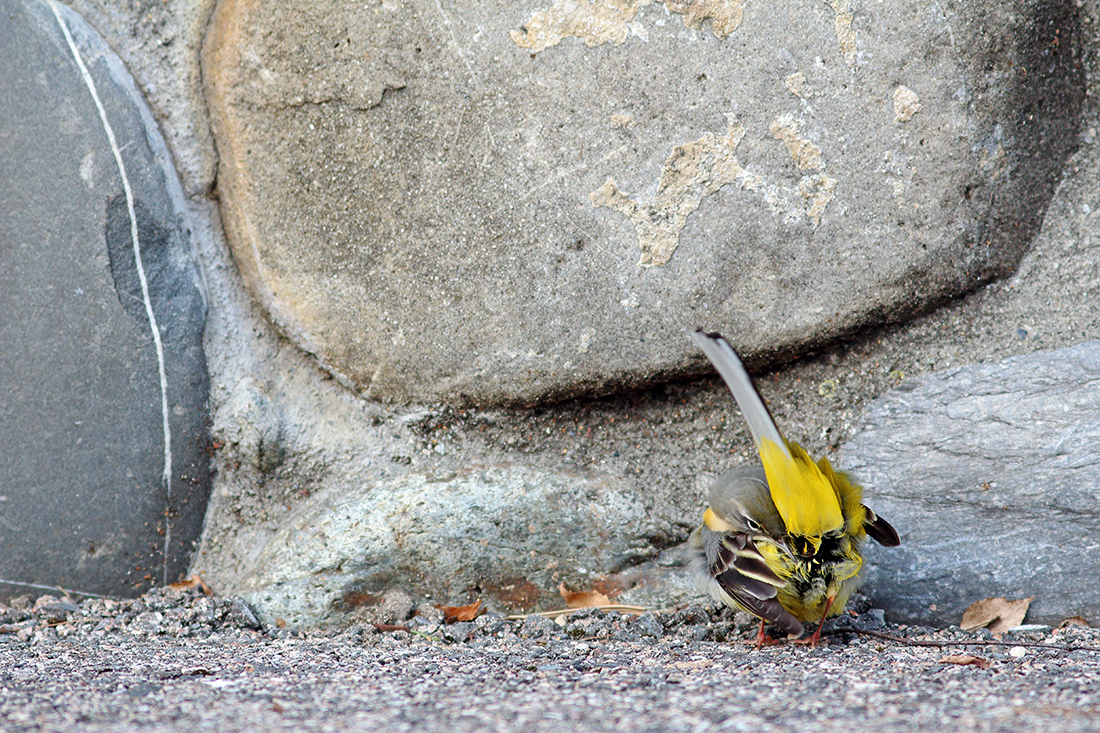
[690, 616]
[394, 607]
[507, 534]
[665, 581]
[873, 619]
[105, 475]
[240, 613]
[536, 626]
[459, 632]
[57, 610]
[989, 473]
[503, 202]
[591, 623]
[426, 610]
[647, 624]
[424, 625]
[490, 623]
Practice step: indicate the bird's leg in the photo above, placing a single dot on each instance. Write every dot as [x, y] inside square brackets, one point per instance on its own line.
[763, 639]
[815, 638]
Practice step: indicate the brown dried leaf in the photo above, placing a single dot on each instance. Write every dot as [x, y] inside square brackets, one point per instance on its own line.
[1079, 621]
[452, 614]
[979, 662]
[583, 598]
[609, 585]
[997, 614]
[191, 581]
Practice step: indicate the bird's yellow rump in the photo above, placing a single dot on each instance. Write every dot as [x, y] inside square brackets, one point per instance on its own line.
[808, 502]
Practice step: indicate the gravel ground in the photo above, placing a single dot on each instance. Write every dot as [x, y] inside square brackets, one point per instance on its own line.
[180, 660]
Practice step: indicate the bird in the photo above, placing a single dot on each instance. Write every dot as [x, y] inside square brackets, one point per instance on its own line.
[780, 540]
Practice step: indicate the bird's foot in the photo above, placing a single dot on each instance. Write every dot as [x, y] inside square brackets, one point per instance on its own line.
[812, 640]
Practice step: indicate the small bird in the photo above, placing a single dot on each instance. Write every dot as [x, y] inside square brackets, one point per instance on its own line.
[780, 541]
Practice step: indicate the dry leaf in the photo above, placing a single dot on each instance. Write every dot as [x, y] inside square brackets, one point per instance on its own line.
[997, 614]
[583, 599]
[191, 581]
[979, 662]
[609, 585]
[451, 614]
[1080, 621]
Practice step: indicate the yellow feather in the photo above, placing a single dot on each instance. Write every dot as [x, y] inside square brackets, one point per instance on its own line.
[715, 523]
[804, 496]
[851, 499]
[806, 593]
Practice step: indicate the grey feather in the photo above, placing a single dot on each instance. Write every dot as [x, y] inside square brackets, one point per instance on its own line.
[729, 365]
[741, 494]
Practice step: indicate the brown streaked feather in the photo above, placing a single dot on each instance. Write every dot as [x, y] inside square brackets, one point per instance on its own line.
[768, 608]
[744, 588]
[737, 552]
[750, 563]
[879, 529]
[741, 571]
[726, 556]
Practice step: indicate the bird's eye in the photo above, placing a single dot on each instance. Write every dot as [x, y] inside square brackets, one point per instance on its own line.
[752, 524]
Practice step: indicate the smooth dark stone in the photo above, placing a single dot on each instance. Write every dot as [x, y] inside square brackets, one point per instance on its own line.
[84, 500]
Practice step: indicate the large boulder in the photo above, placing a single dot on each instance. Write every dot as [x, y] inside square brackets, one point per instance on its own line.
[511, 202]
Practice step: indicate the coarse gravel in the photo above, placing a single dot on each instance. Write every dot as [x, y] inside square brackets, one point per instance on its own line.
[178, 660]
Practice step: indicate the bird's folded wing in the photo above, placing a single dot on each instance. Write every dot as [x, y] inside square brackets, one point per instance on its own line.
[743, 573]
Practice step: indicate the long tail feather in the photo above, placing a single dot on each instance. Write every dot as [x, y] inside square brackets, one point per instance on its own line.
[725, 360]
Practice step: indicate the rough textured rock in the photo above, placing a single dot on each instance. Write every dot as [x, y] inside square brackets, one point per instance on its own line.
[105, 470]
[505, 534]
[160, 44]
[512, 202]
[990, 474]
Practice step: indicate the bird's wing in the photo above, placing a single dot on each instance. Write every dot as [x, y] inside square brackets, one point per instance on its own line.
[743, 573]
